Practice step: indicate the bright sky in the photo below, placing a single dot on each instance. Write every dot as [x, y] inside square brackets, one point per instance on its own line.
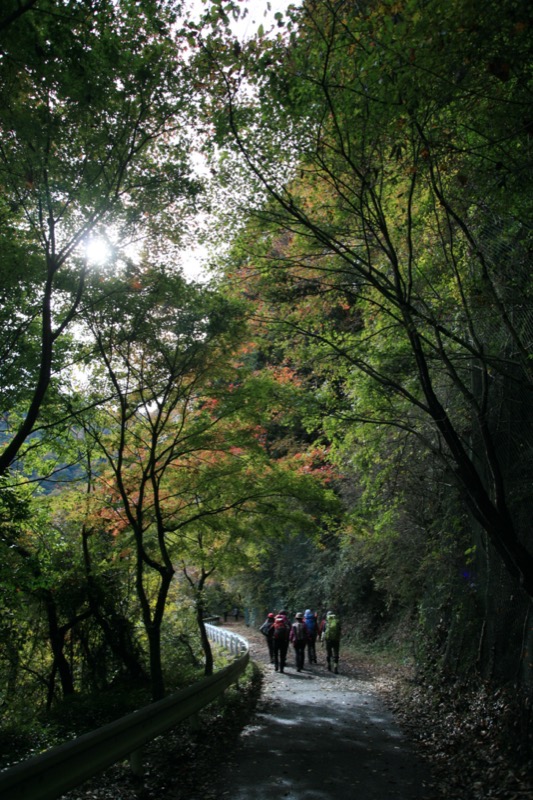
[260, 12]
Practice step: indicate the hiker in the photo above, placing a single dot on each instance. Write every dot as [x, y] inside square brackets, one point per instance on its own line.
[267, 629]
[331, 633]
[280, 638]
[311, 623]
[298, 637]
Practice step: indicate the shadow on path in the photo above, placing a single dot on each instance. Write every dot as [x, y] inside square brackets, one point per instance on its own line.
[320, 736]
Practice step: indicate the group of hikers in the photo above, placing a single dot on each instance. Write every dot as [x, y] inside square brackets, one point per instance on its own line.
[303, 634]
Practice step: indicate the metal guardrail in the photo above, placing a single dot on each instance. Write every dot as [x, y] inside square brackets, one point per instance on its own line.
[62, 768]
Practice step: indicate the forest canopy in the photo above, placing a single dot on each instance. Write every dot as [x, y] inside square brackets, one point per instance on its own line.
[341, 415]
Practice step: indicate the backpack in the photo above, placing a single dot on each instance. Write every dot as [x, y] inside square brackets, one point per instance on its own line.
[333, 629]
[265, 627]
[310, 622]
[299, 631]
[280, 628]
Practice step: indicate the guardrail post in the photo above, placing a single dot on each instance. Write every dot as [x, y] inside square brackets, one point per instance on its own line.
[194, 722]
[136, 762]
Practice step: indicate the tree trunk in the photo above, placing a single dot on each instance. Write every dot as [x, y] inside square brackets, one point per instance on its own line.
[493, 516]
[57, 642]
[157, 681]
[153, 630]
[206, 645]
[115, 627]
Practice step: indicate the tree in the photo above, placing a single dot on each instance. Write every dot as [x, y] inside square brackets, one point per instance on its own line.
[109, 641]
[183, 440]
[41, 568]
[93, 138]
[169, 430]
[247, 503]
[391, 180]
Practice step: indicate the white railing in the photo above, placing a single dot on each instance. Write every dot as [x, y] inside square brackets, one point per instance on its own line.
[56, 771]
[229, 641]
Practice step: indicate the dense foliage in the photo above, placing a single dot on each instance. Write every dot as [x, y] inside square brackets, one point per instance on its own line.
[389, 144]
[132, 465]
[342, 416]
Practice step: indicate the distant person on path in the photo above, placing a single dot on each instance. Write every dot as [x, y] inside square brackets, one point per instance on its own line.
[331, 633]
[280, 637]
[298, 637]
[311, 623]
[267, 629]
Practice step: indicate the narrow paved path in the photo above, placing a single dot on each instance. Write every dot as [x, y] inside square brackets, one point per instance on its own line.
[320, 736]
